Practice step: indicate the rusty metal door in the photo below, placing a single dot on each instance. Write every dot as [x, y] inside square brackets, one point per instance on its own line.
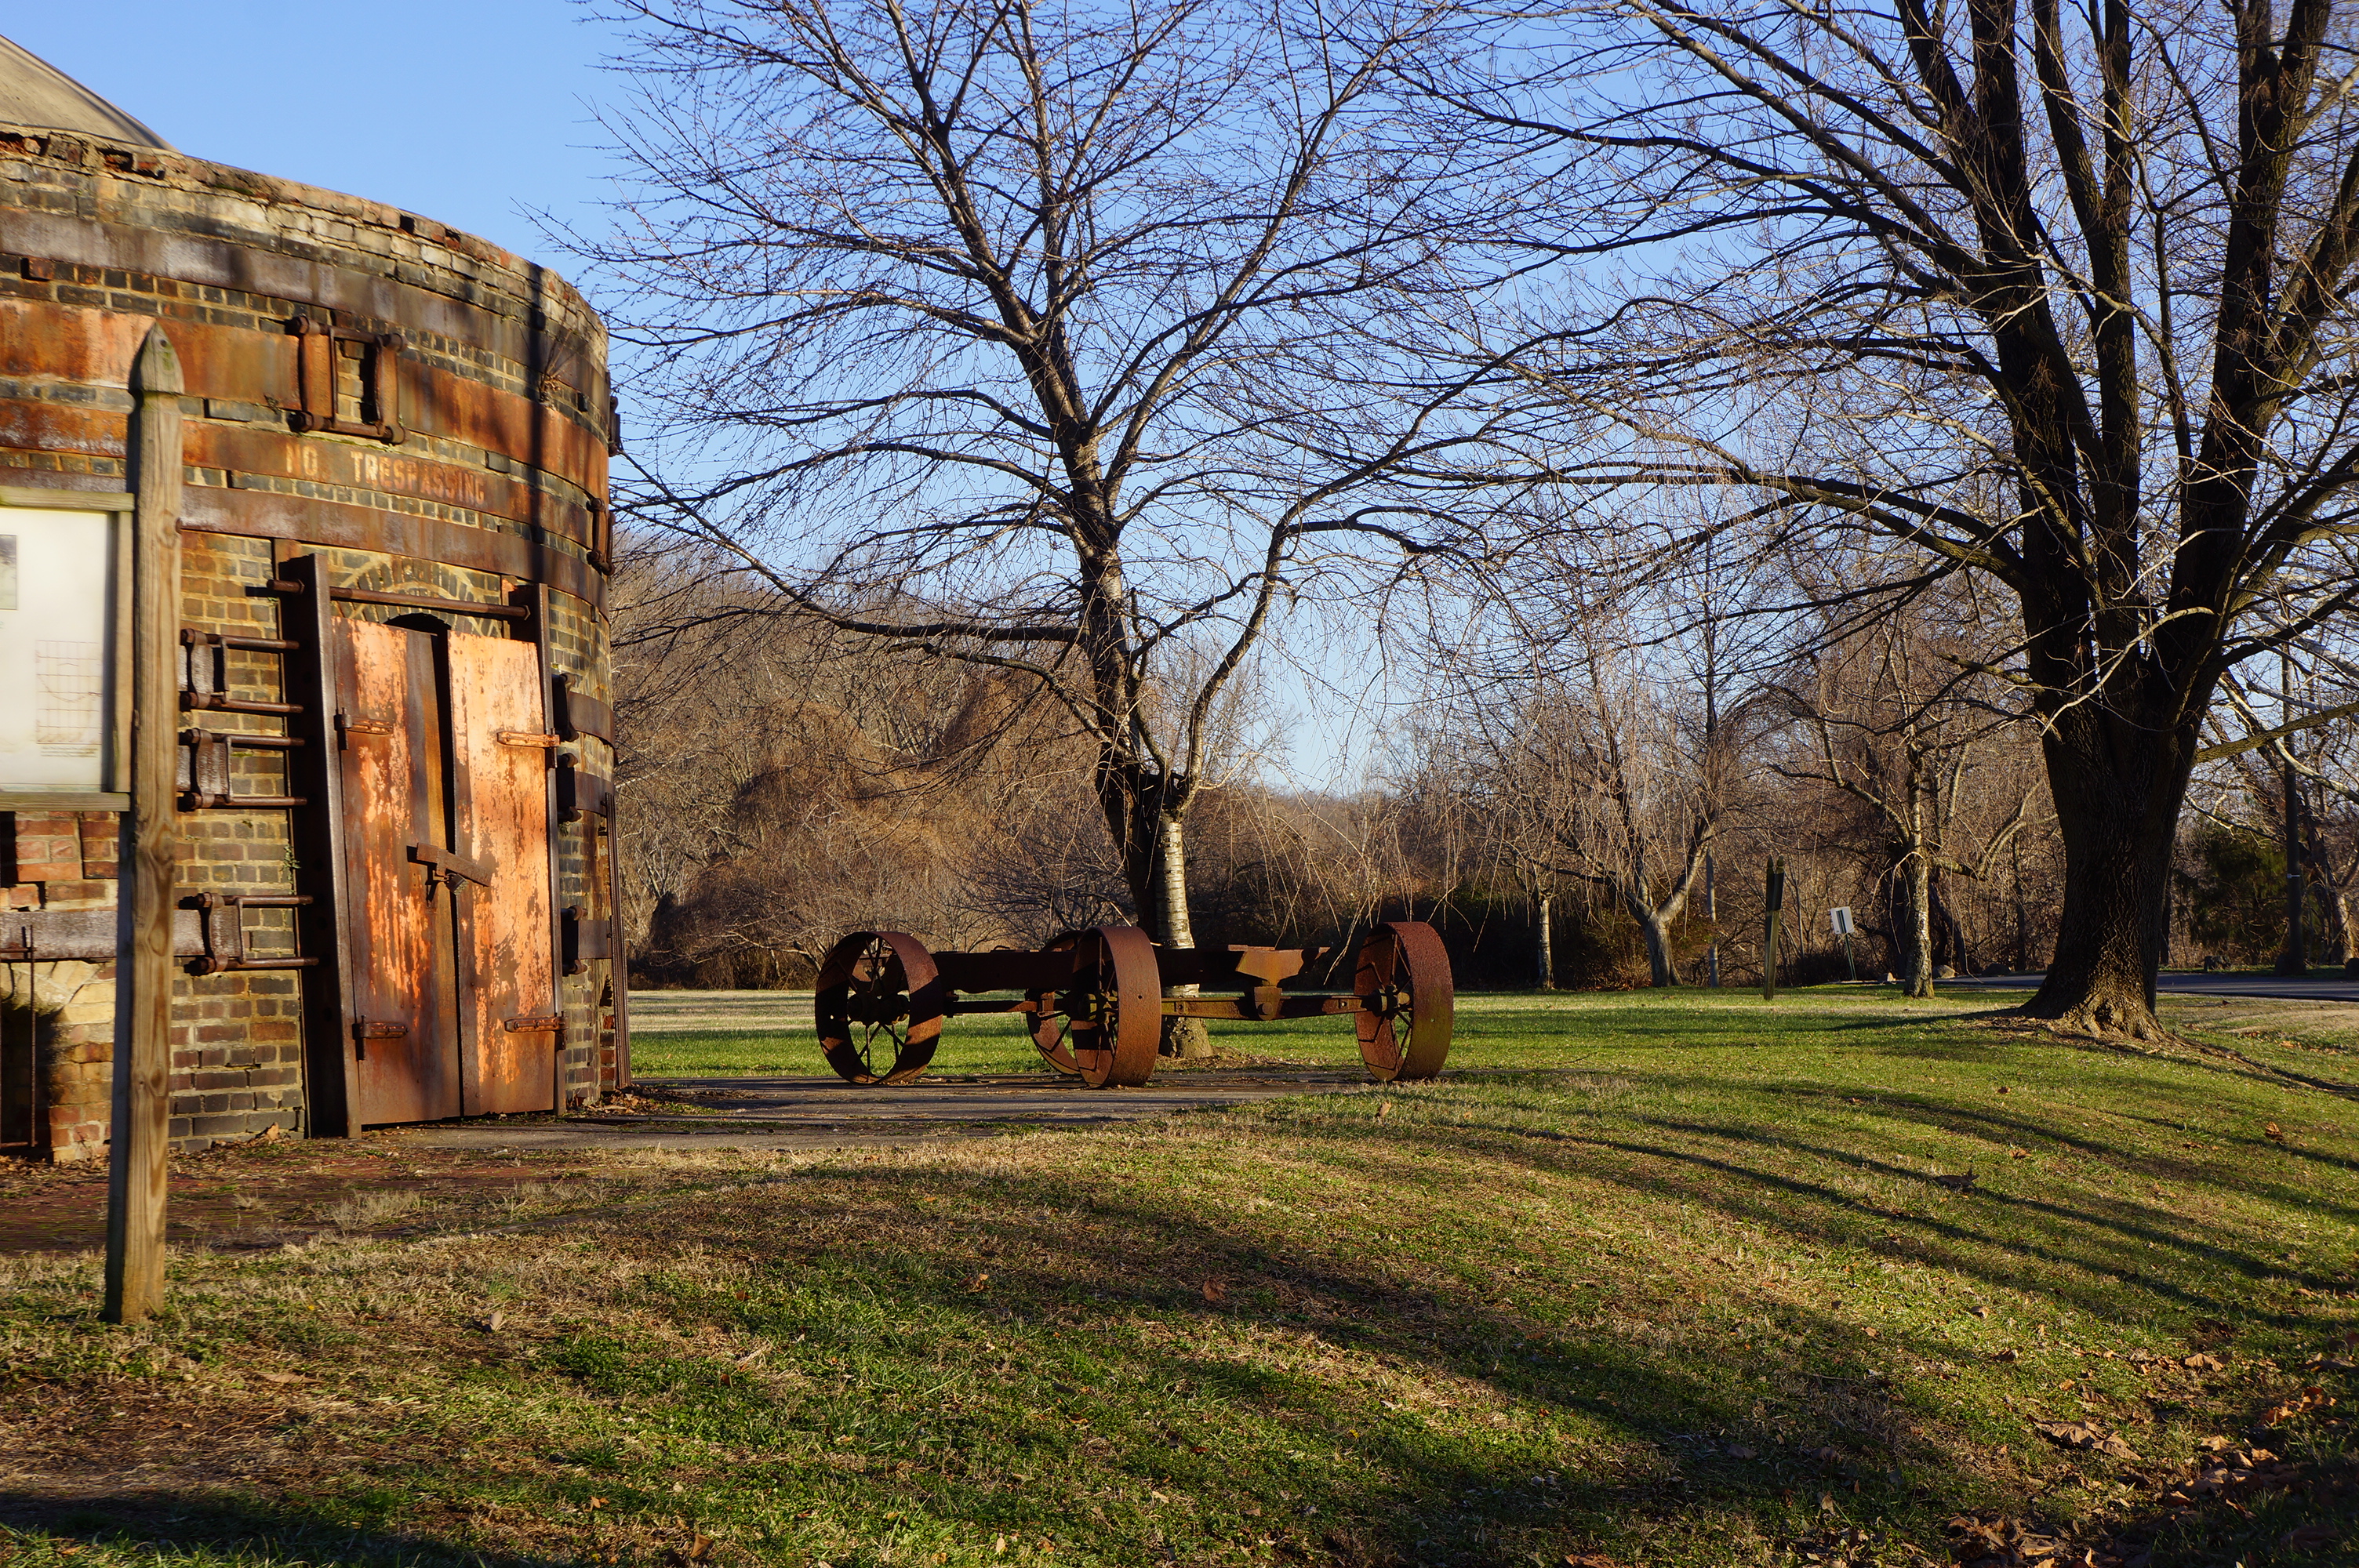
[499, 733]
[398, 873]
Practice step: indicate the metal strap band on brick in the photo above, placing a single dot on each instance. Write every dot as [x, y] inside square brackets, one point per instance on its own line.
[579, 790]
[261, 514]
[411, 601]
[579, 714]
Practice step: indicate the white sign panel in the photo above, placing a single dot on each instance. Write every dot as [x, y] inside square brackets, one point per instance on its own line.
[57, 630]
[1842, 920]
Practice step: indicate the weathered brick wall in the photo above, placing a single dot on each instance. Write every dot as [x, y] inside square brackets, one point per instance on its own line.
[61, 861]
[577, 648]
[237, 1038]
[501, 463]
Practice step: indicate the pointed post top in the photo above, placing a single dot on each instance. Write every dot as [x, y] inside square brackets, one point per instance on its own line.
[158, 368]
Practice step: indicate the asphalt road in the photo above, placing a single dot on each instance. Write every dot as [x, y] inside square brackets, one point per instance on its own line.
[2193, 984]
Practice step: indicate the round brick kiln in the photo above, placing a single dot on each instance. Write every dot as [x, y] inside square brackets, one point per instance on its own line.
[395, 880]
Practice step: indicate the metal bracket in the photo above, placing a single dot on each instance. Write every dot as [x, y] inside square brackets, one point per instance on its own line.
[205, 770]
[205, 679]
[580, 791]
[315, 381]
[364, 1030]
[585, 939]
[453, 866]
[223, 918]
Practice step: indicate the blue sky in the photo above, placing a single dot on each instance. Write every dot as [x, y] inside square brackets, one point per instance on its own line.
[471, 112]
[474, 113]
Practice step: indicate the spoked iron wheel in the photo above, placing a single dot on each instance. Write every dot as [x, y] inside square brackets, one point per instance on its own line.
[879, 1008]
[1403, 984]
[1103, 1025]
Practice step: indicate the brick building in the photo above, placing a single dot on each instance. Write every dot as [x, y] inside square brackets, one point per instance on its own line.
[396, 880]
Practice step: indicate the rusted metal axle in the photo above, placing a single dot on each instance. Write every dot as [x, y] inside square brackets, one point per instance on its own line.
[1097, 999]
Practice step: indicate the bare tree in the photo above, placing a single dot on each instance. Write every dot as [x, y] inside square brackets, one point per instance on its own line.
[1872, 267]
[1048, 341]
[1902, 717]
[1599, 773]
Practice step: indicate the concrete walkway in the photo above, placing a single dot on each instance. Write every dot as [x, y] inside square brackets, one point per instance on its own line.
[825, 1112]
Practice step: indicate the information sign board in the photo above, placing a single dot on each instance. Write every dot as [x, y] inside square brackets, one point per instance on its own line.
[63, 622]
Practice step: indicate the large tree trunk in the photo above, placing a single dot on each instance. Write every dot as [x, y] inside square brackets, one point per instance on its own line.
[1181, 1036]
[2337, 904]
[1915, 924]
[1662, 967]
[2117, 812]
[1147, 820]
[1548, 947]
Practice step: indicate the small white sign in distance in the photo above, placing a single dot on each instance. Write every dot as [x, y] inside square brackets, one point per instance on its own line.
[1840, 919]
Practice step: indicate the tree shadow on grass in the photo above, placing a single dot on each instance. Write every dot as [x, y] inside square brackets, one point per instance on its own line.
[1601, 1438]
[168, 1527]
[1954, 1236]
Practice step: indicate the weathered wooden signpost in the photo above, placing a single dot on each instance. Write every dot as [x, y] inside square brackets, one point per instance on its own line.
[151, 834]
[1776, 902]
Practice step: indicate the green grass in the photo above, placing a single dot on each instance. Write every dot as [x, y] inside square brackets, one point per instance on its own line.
[1650, 1279]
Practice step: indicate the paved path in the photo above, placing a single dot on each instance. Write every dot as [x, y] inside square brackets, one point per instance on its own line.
[815, 1112]
[2193, 985]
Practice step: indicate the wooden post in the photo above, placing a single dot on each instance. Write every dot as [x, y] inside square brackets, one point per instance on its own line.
[151, 834]
[1777, 907]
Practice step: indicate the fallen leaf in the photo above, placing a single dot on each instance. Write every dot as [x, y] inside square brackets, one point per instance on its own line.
[2002, 1089]
[2214, 1444]
[597, 1502]
[2310, 1537]
[2017, 1154]
[2084, 1435]
[2200, 1362]
[999, 1547]
[2006, 1354]
[1957, 1183]
[2274, 1132]
[1384, 1109]
[1213, 1291]
[698, 1550]
[282, 1377]
[978, 1281]
[1980, 1311]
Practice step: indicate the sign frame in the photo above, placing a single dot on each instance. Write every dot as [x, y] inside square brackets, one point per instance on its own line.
[116, 767]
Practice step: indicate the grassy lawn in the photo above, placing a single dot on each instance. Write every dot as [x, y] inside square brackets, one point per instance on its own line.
[1646, 1279]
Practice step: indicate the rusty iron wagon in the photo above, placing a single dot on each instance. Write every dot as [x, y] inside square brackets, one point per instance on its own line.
[1095, 999]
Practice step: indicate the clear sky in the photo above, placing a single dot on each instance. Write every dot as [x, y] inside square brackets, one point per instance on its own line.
[471, 112]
